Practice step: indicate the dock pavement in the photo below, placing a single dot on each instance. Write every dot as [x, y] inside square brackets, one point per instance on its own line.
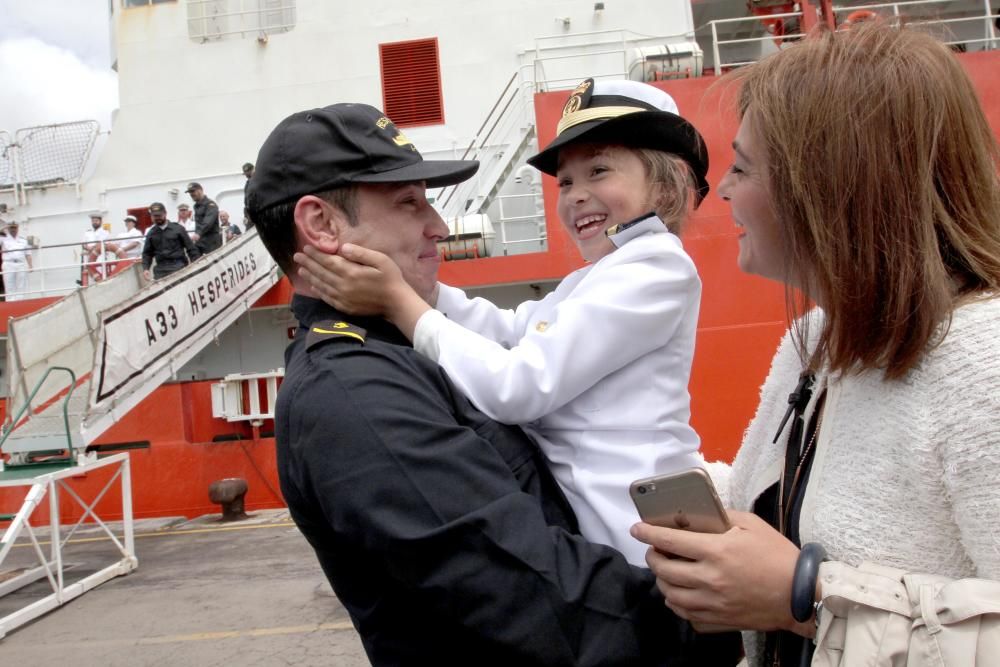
[206, 593]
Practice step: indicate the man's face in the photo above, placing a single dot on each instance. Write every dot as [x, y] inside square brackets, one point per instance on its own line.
[197, 194]
[224, 217]
[12, 230]
[397, 220]
[95, 223]
[248, 172]
[158, 217]
[183, 213]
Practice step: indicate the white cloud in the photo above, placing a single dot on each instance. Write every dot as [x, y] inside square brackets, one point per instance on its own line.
[41, 84]
[80, 26]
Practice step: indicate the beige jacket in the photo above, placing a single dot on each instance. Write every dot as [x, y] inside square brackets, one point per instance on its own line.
[881, 616]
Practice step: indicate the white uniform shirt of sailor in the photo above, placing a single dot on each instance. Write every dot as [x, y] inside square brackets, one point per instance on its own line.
[15, 266]
[95, 236]
[15, 249]
[597, 371]
[132, 235]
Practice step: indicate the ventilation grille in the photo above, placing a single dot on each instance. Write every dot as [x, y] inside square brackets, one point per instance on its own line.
[411, 82]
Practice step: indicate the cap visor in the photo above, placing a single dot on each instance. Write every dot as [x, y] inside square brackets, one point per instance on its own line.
[435, 173]
[658, 130]
[547, 160]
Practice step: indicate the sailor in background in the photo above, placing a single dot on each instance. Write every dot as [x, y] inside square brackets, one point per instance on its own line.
[248, 172]
[230, 230]
[95, 247]
[206, 220]
[16, 263]
[167, 243]
[130, 243]
[185, 218]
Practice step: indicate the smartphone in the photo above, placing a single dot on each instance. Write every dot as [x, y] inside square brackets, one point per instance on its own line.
[685, 500]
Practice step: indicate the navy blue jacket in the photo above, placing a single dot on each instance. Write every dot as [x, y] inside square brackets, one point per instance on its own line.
[443, 532]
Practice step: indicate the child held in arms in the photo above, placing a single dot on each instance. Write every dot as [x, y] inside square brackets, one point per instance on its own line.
[597, 371]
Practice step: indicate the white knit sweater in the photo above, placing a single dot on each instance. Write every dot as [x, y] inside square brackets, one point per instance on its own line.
[906, 471]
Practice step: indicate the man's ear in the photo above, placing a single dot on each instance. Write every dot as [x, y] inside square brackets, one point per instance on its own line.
[318, 223]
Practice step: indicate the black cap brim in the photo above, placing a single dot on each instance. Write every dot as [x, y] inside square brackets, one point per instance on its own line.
[435, 173]
[658, 130]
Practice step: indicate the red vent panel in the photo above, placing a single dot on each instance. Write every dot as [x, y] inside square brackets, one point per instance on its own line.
[411, 82]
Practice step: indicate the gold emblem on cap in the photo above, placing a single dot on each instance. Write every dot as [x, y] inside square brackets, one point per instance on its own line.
[341, 325]
[541, 326]
[576, 98]
[401, 140]
[572, 105]
[383, 123]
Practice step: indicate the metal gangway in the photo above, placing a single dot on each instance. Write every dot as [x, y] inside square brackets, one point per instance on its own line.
[76, 367]
[122, 337]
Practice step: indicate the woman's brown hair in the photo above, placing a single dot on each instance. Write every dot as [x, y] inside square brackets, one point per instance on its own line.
[884, 177]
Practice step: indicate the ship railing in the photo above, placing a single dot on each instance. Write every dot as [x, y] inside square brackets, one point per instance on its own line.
[46, 156]
[521, 232]
[609, 54]
[768, 42]
[507, 133]
[215, 19]
[8, 180]
[509, 121]
[905, 10]
[59, 268]
[741, 33]
[11, 423]
[62, 333]
[246, 397]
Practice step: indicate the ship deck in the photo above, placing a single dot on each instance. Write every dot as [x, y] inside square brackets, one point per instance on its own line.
[205, 593]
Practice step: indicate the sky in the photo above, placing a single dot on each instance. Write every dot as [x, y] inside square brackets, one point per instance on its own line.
[55, 63]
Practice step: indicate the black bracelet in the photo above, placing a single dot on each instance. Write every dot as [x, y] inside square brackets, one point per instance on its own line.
[804, 580]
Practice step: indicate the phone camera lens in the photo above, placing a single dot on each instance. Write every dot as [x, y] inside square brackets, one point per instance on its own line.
[642, 490]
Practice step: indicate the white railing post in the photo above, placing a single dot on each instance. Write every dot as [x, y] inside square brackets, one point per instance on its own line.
[126, 485]
[716, 62]
[56, 546]
[990, 30]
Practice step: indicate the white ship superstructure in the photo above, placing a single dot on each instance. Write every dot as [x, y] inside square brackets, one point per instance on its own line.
[202, 82]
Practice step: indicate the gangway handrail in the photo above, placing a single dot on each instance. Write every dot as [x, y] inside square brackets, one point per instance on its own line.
[479, 138]
[489, 115]
[10, 424]
[45, 285]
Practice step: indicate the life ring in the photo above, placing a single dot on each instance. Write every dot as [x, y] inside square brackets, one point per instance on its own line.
[860, 15]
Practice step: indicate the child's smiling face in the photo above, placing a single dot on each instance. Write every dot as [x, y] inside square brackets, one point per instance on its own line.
[600, 186]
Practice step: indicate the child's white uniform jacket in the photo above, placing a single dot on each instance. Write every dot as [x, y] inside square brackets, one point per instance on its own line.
[597, 371]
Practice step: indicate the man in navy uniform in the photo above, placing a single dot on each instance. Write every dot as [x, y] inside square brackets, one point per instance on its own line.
[442, 532]
[166, 242]
[207, 235]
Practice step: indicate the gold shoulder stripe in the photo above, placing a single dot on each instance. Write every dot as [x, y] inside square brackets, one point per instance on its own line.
[338, 333]
[328, 330]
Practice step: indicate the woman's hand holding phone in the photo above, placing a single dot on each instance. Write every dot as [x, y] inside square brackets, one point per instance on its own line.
[738, 579]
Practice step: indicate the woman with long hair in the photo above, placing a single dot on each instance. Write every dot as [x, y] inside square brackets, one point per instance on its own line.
[865, 178]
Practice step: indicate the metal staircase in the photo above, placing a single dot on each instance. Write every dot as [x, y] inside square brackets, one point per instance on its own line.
[108, 336]
[508, 133]
[501, 143]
